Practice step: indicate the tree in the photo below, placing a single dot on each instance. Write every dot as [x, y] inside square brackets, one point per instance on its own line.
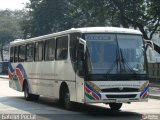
[89, 12]
[141, 14]
[46, 16]
[50, 16]
[10, 29]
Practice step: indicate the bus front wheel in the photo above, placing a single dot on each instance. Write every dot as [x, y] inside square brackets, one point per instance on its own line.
[115, 106]
[66, 101]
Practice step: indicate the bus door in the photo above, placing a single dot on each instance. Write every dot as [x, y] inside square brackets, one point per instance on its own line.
[80, 73]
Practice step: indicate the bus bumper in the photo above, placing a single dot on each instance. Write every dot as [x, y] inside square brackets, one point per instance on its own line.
[119, 98]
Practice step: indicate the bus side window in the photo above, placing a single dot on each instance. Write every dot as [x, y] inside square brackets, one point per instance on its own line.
[62, 48]
[16, 54]
[50, 49]
[30, 52]
[22, 53]
[11, 54]
[38, 51]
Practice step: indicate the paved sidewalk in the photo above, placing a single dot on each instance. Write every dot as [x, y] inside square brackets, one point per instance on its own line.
[154, 90]
[4, 76]
[155, 84]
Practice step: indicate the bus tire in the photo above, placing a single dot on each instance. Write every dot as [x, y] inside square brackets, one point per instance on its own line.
[66, 101]
[27, 95]
[35, 97]
[115, 106]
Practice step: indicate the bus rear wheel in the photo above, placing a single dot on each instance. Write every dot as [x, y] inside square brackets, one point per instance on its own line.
[35, 97]
[27, 95]
[115, 106]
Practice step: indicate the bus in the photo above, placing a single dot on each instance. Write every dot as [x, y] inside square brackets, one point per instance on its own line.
[82, 65]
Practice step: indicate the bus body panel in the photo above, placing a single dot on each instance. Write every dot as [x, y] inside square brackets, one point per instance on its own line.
[80, 89]
[116, 91]
[45, 77]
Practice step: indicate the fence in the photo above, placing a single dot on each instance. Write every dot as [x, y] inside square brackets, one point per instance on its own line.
[154, 72]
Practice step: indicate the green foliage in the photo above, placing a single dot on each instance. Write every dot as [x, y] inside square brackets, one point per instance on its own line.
[46, 16]
[10, 28]
[140, 13]
[88, 13]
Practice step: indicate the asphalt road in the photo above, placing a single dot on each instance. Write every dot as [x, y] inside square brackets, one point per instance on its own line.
[14, 106]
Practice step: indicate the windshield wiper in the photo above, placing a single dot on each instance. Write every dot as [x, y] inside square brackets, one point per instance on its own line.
[125, 63]
[115, 63]
[121, 63]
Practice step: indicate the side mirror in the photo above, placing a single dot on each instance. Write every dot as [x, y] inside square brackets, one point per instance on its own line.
[151, 49]
[151, 55]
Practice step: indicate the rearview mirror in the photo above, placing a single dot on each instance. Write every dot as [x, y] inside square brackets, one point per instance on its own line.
[151, 49]
[151, 55]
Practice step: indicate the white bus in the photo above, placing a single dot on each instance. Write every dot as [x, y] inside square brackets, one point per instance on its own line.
[83, 65]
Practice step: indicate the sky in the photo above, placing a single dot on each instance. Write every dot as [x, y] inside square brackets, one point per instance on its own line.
[12, 4]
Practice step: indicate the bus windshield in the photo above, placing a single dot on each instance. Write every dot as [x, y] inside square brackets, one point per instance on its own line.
[115, 54]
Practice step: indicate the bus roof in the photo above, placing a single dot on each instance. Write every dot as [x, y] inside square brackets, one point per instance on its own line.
[80, 30]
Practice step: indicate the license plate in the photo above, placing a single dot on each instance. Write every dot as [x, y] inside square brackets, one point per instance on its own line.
[122, 100]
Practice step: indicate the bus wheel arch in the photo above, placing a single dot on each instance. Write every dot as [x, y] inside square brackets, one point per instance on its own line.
[64, 96]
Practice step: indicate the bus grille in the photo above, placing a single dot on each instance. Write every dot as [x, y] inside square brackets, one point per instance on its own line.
[121, 96]
[118, 90]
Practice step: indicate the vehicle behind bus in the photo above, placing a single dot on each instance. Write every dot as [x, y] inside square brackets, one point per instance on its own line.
[4, 67]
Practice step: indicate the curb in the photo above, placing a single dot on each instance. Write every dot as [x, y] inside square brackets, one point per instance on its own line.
[154, 85]
[154, 97]
[4, 77]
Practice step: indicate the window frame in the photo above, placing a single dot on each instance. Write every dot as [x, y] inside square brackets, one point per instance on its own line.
[46, 58]
[15, 54]
[42, 58]
[32, 52]
[12, 47]
[57, 39]
[24, 45]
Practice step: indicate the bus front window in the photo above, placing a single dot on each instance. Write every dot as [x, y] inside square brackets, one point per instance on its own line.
[101, 52]
[115, 54]
[132, 51]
